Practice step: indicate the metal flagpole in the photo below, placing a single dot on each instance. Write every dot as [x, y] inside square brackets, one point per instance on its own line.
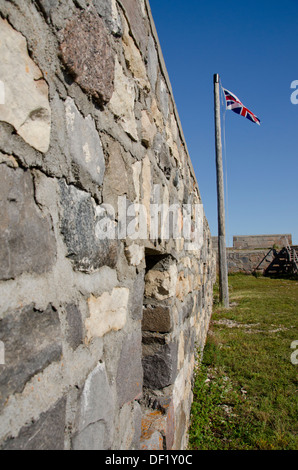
[222, 256]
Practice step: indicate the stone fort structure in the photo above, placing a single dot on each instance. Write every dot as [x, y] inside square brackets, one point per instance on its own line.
[251, 253]
[102, 311]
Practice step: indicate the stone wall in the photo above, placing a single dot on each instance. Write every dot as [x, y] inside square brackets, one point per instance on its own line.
[101, 316]
[246, 261]
[251, 242]
[249, 251]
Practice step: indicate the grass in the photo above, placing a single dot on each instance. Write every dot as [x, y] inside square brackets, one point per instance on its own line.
[245, 389]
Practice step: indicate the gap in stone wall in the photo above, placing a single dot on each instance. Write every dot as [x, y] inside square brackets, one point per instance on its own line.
[159, 353]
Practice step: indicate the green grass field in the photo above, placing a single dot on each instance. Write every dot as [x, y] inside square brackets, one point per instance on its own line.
[245, 389]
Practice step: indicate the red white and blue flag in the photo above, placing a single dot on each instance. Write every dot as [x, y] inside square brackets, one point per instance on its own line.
[233, 103]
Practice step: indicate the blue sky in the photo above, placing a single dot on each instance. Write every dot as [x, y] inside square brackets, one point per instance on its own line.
[253, 46]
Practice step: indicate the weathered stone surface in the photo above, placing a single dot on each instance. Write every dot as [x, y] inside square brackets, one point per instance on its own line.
[32, 341]
[146, 183]
[156, 114]
[134, 60]
[79, 218]
[84, 142]
[107, 312]
[128, 427]
[152, 62]
[93, 437]
[153, 429]
[108, 11]
[148, 129]
[153, 442]
[183, 286]
[180, 428]
[27, 242]
[26, 105]
[95, 414]
[135, 254]
[162, 153]
[164, 98]
[186, 308]
[136, 21]
[74, 326]
[101, 308]
[250, 242]
[161, 285]
[157, 319]
[135, 445]
[160, 368]
[87, 53]
[189, 341]
[46, 6]
[172, 138]
[137, 297]
[123, 101]
[116, 179]
[136, 172]
[47, 433]
[247, 260]
[129, 378]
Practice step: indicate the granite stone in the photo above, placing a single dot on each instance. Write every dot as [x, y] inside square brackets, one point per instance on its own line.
[87, 53]
[27, 241]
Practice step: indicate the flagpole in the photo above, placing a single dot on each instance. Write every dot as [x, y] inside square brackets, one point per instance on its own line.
[222, 255]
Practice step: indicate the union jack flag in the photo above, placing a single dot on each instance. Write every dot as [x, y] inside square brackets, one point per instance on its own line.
[233, 103]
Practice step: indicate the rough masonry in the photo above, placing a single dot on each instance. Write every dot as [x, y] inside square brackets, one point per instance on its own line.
[252, 252]
[102, 312]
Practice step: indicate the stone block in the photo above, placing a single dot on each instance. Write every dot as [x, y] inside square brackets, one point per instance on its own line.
[160, 367]
[116, 178]
[146, 182]
[186, 308]
[162, 153]
[189, 341]
[134, 14]
[157, 318]
[164, 98]
[91, 438]
[32, 341]
[156, 114]
[135, 444]
[137, 297]
[125, 436]
[47, 6]
[152, 442]
[47, 433]
[74, 333]
[156, 424]
[161, 285]
[182, 286]
[96, 413]
[26, 105]
[107, 312]
[87, 251]
[108, 11]
[153, 428]
[135, 254]
[84, 143]
[134, 60]
[181, 422]
[129, 378]
[87, 53]
[148, 129]
[27, 241]
[123, 101]
[170, 426]
[152, 62]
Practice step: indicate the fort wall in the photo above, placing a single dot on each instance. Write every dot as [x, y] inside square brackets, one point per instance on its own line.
[102, 307]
